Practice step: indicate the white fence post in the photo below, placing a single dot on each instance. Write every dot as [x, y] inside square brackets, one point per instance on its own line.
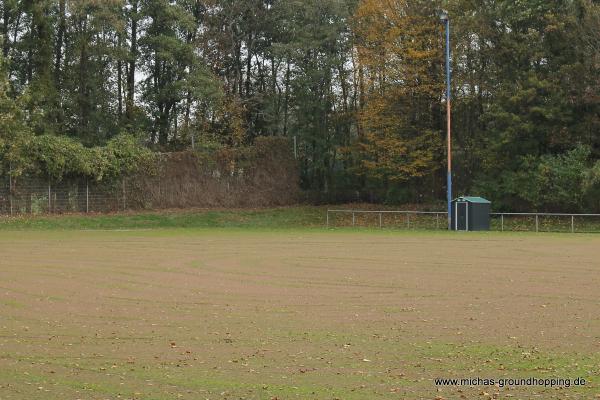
[537, 223]
[10, 192]
[380, 221]
[572, 224]
[295, 147]
[327, 224]
[502, 222]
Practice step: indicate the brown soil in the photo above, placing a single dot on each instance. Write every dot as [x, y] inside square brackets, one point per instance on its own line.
[215, 314]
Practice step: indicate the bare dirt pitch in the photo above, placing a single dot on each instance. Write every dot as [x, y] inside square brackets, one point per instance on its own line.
[295, 315]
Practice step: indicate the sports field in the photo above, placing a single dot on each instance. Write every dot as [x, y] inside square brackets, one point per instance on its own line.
[295, 314]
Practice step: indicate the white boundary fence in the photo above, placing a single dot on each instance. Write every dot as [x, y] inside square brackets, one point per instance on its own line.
[550, 222]
[513, 222]
[406, 215]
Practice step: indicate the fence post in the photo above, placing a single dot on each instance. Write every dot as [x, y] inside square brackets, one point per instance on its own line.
[49, 198]
[408, 220]
[572, 224]
[295, 147]
[502, 222]
[87, 197]
[158, 197]
[10, 192]
[124, 197]
[327, 219]
[380, 221]
[537, 223]
[353, 219]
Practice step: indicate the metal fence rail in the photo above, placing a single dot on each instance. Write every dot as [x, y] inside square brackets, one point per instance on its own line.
[406, 214]
[546, 222]
[533, 222]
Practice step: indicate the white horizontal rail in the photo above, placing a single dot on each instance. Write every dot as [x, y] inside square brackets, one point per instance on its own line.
[387, 212]
[547, 214]
[446, 212]
[381, 213]
[438, 213]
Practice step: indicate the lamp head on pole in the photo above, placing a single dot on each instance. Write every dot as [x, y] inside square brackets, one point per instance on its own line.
[443, 14]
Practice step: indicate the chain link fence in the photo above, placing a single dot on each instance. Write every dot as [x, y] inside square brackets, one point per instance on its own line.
[42, 197]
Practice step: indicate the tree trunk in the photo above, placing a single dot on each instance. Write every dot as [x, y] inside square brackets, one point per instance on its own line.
[120, 79]
[132, 60]
[287, 100]
[58, 49]
[248, 65]
[5, 24]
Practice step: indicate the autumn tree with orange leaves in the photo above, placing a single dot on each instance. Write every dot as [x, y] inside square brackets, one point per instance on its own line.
[399, 52]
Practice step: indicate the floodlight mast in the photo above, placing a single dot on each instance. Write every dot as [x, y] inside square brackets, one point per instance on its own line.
[444, 17]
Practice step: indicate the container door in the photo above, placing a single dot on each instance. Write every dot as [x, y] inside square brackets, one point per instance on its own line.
[461, 216]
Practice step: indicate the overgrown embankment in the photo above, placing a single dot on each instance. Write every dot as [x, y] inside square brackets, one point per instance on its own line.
[126, 176]
[263, 175]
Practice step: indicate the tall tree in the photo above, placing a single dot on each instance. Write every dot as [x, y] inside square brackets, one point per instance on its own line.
[315, 42]
[399, 50]
[174, 71]
[133, 13]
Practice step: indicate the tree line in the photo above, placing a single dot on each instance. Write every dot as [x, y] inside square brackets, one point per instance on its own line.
[358, 84]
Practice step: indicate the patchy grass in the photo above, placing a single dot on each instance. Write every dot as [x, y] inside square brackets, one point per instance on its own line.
[300, 217]
[277, 218]
[327, 368]
[303, 313]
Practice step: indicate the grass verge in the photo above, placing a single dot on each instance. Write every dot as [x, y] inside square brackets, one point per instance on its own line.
[277, 218]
